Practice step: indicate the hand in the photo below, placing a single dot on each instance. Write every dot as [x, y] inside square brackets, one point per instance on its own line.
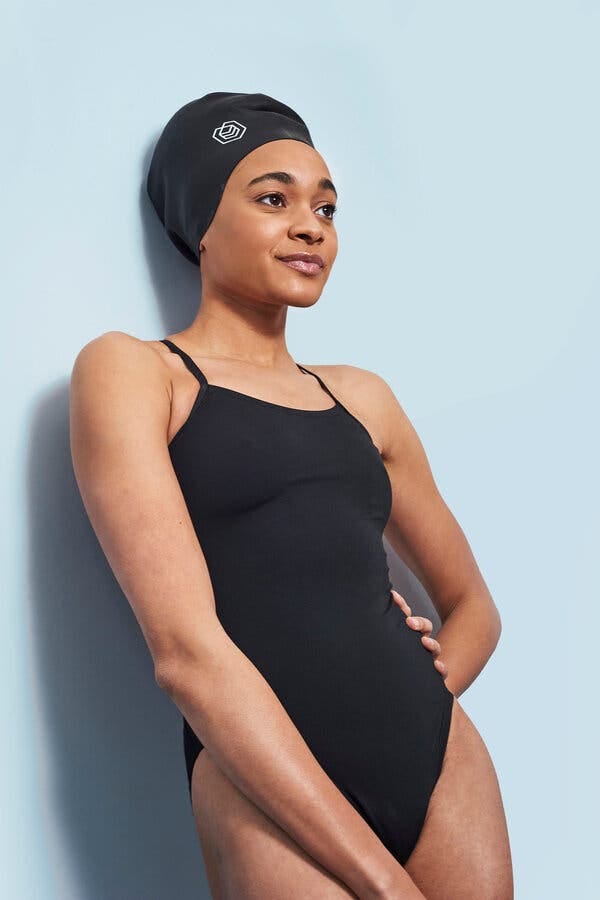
[420, 623]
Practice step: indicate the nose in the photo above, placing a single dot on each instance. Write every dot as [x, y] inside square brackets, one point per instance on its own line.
[306, 224]
[309, 230]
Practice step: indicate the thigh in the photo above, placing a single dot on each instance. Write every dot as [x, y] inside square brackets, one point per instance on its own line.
[463, 851]
[247, 855]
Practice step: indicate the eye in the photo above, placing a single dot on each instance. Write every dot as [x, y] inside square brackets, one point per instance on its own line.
[274, 194]
[332, 207]
[278, 196]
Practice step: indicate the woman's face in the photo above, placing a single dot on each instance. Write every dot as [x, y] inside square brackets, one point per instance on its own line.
[257, 223]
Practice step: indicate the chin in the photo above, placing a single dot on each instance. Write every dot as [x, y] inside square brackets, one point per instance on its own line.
[298, 299]
[303, 304]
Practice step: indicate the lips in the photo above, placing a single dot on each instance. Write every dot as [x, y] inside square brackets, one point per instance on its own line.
[309, 263]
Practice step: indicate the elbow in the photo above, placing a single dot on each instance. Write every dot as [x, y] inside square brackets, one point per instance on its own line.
[495, 628]
[491, 615]
[177, 678]
[166, 675]
[174, 662]
[187, 663]
[497, 620]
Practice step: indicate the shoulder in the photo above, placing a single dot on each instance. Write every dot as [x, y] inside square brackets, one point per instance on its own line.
[367, 395]
[116, 366]
[118, 347]
[364, 384]
[116, 355]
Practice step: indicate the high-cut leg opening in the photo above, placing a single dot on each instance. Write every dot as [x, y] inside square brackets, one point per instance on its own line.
[191, 773]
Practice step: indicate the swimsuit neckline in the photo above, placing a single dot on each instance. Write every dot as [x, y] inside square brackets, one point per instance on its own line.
[292, 409]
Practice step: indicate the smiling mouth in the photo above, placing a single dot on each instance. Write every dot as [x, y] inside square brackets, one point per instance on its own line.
[301, 265]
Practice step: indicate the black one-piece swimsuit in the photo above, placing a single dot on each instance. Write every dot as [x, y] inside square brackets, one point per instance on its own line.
[289, 506]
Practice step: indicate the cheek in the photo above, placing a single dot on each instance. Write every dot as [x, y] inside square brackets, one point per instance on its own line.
[254, 247]
[245, 247]
[252, 241]
[245, 268]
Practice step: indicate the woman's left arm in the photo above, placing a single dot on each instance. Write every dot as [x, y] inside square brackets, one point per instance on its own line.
[424, 533]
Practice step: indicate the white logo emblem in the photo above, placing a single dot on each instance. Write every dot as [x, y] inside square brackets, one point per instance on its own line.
[229, 131]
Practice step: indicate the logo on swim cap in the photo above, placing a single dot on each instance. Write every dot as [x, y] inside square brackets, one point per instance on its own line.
[229, 131]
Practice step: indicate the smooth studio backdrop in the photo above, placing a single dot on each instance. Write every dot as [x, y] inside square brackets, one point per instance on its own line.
[464, 141]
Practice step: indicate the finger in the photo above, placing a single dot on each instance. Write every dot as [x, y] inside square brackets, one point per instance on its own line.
[401, 602]
[431, 644]
[399, 599]
[421, 623]
[427, 625]
[441, 667]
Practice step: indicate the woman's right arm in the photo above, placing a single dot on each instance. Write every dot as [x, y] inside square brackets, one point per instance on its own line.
[119, 415]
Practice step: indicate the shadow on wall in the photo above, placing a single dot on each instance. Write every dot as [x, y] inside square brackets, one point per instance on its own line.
[175, 280]
[408, 585]
[109, 747]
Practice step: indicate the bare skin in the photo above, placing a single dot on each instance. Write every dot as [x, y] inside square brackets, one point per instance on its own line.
[463, 852]
[238, 339]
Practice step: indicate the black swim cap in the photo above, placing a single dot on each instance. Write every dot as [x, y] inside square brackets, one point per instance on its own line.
[199, 148]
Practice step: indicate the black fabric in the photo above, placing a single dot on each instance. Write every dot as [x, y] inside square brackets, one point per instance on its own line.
[197, 151]
[289, 506]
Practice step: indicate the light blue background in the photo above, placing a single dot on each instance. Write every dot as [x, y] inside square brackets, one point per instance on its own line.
[464, 141]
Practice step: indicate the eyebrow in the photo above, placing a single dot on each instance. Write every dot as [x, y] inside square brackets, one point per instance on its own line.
[324, 183]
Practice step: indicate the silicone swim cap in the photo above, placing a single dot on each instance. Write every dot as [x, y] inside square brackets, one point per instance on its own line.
[197, 151]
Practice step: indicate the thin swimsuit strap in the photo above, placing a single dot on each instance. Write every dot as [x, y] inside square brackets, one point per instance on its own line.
[339, 403]
[191, 365]
[322, 383]
[187, 360]
[204, 382]
[197, 371]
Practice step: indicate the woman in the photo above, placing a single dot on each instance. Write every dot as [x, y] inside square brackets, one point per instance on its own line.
[241, 498]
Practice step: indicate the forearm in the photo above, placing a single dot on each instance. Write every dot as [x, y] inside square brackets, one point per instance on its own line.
[468, 637]
[248, 733]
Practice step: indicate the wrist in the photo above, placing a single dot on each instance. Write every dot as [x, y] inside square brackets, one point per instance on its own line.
[379, 881]
[396, 884]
